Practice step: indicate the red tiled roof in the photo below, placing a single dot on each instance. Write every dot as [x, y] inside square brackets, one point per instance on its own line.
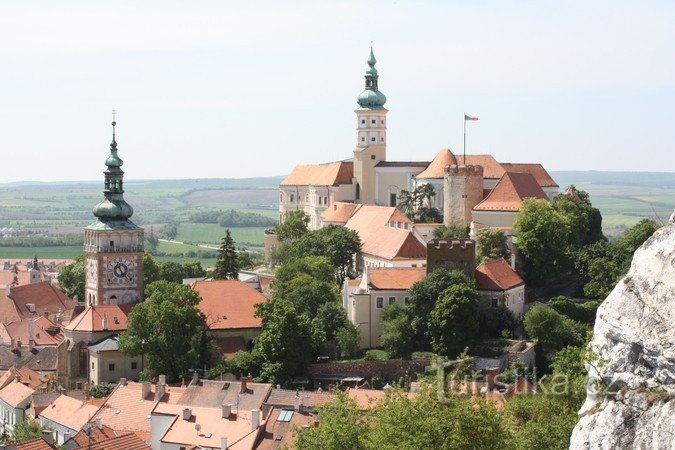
[69, 412]
[329, 174]
[43, 295]
[15, 393]
[228, 304]
[491, 168]
[91, 318]
[35, 444]
[339, 212]
[20, 331]
[536, 170]
[496, 275]
[510, 192]
[436, 169]
[96, 434]
[128, 441]
[395, 278]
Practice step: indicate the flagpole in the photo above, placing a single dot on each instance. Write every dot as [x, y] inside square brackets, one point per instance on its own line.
[465, 139]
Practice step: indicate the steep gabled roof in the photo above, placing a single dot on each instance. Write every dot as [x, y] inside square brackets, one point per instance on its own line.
[395, 278]
[436, 169]
[129, 441]
[229, 304]
[371, 223]
[339, 212]
[510, 192]
[329, 174]
[91, 318]
[69, 412]
[44, 331]
[536, 170]
[15, 393]
[496, 275]
[35, 444]
[44, 296]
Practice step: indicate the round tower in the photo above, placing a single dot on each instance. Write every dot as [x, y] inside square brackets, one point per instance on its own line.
[371, 134]
[462, 190]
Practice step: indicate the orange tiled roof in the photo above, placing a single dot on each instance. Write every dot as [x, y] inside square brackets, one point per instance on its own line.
[228, 304]
[69, 412]
[35, 444]
[95, 434]
[378, 239]
[15, 393]
[510, 192]
[491, 168]
[43, 295]
[91, 318]
[129, 441]
[536, 170]
[395, 278]
[496, 275]
[20, 331]
[329, 174]
[436, 169]
[30, 377]
[124, 410]
[339, 212]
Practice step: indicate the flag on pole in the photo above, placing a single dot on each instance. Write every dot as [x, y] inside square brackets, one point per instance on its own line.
[468, 117]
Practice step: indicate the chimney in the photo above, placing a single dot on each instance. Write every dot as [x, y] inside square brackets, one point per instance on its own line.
[244, 383]
[223, 443]
[195, 378]
[255, 418]
[160, 389]
[491, 376]
[162, 379]
[145, 389]
[99, 423]
[31, 334]
[296, 401]
[187, 413]
[307, 401]
[123, 381]
[227, 410]
[104, 322]
[48, 436]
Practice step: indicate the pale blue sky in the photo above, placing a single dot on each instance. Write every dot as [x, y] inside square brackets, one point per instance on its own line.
[224, 89]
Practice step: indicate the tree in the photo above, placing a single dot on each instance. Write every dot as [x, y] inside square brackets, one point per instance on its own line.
[585, 220]
[451, 232]
[423, 297]
[339, 427]
[152, 330]
[491, 244]
[543, 239]
[418, 204]
[244, 260]
[26, 430]
[151, 242]
[347, 337]
[150, 269]
[171, 271]
[293, 227]
[631, 240]
[453, 322]
[581, 312]
[493, 321]
[170, 230]
[72, 278]
[288, 341]
[332, 317]
[227, 266]
[339, 244]
[553, 329]
[398, 336]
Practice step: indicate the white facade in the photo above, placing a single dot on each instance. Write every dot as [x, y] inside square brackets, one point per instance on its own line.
[11, 416]
[513, 299]
[313, 200]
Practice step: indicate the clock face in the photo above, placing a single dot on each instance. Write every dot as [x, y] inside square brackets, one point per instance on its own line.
[120, 270]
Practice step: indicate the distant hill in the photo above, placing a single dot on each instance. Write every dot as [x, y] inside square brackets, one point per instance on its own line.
[653, 179]
[191, 183]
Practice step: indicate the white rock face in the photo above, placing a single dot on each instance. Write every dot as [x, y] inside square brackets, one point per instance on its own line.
[634, 338]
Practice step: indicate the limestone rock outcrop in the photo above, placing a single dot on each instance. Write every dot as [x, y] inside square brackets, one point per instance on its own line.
[631, 389]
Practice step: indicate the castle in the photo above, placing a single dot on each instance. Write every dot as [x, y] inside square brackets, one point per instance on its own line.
[470, 190]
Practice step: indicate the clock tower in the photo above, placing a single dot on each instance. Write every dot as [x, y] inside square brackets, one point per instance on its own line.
[113, 245]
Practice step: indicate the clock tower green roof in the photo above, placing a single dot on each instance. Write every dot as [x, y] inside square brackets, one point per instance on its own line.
[371, 98]
[113, 209]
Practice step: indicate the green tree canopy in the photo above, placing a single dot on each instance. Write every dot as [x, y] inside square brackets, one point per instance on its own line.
[453, 323]
[585, 220]
[581, 312]
[72, 278]
[491, 244]
[552, 329]
[398, 337]
[451, 232]
[543, 239]
[340, 427]
[227, 264]
[423, 297]
[169, 329]
[293, 227]
[26, 430]
[150, 269]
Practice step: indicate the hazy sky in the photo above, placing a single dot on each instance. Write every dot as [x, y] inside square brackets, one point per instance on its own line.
[225, 89]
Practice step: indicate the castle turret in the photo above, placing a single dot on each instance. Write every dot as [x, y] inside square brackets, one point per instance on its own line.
[371, 134]
[462, 190]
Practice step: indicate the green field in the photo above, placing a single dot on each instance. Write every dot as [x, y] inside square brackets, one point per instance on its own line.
[40, 252]
[211, 233]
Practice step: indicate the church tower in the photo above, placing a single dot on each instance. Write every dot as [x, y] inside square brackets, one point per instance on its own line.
[113, 245]
[371, 135]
